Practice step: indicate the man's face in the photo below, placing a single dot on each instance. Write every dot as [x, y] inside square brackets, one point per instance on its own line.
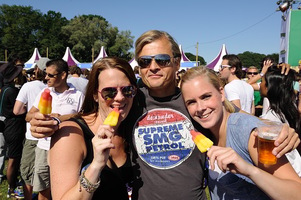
[225, 72]
[252, 72]
[54, 79]
[158, 78]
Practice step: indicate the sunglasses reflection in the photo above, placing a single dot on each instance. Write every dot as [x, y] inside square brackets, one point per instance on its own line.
[161, 59]
[110, 93]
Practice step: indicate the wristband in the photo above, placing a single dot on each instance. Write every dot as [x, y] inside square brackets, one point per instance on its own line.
[57, 119]
[261, 74]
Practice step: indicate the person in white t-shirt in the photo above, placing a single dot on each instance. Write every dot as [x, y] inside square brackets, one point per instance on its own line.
[237, 91]
[65, 100]
[24, 101]
[76, 80]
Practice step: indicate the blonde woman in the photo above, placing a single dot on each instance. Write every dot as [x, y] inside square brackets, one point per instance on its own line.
[235, 172]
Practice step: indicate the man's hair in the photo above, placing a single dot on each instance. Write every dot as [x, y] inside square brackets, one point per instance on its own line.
[252, 67]
[234, 61]
[153, 35]
[75, 70]
[61, 65]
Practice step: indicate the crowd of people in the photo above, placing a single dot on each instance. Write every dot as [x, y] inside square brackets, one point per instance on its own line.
[149, 154]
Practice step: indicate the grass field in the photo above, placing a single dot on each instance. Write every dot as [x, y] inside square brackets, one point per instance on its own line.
[3, 190]
[4, 186]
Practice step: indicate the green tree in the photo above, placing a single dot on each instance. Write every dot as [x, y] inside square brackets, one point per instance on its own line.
[18, 28]
[251, 59]
[275, 56]
[49, 35]
[192, 57]
[254, 59]
[87, 32]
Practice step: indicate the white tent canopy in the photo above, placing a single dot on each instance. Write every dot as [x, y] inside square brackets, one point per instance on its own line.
[183, 56]
[68, 57]
[34, 58]
[102, 54]
[217, 61]
[133, 63]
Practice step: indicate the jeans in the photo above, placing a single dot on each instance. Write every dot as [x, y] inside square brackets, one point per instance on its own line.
[2, 153]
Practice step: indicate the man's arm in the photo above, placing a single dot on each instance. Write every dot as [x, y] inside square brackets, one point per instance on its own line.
[253, 108]
[19, 108]
[31, 113]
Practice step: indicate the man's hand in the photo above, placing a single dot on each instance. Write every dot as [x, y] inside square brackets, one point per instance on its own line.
[42, 125]
[287, 141]
[285, 68]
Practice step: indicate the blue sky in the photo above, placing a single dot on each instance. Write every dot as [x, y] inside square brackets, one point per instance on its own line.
[240, 25]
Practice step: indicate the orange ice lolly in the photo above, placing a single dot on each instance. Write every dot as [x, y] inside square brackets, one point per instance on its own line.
[45, 102]
[112, 118]
[202, 142]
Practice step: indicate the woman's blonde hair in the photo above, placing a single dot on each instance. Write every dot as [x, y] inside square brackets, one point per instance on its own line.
[212, 78]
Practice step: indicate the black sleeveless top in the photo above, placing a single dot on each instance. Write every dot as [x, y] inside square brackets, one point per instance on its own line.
[114, 181]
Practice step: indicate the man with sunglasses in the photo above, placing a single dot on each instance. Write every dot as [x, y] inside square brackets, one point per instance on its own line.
[169, 166]
[66, 100]
[252, 71]
[237, 91]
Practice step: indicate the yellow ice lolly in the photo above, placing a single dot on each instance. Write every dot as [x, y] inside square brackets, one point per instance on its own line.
[45, 102]
[202, 142]
[112, 118]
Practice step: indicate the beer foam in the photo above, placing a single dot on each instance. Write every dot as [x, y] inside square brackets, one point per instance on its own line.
[268, 135]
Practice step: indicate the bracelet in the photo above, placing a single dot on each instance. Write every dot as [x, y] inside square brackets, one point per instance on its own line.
[56, 119]
[85, 183]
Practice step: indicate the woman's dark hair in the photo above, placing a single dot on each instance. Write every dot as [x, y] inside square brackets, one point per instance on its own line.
[90, 105]
[266, 58]
[282, 97]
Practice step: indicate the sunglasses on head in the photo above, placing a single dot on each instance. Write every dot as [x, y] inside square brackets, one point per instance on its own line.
[161, 59]
[109, 93]
[222, 67]
[252, 73]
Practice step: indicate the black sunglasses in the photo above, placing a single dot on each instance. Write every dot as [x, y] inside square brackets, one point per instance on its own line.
[250, 73]
[52, 75]
[161, 59]
[109, 93]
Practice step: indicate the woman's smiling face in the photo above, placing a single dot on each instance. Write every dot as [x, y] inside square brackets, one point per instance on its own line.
[114, 78]
[203, 101]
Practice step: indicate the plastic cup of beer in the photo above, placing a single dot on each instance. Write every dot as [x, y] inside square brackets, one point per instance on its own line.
[267, 134]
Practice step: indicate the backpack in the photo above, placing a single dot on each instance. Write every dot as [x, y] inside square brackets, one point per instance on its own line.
[2, 118]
